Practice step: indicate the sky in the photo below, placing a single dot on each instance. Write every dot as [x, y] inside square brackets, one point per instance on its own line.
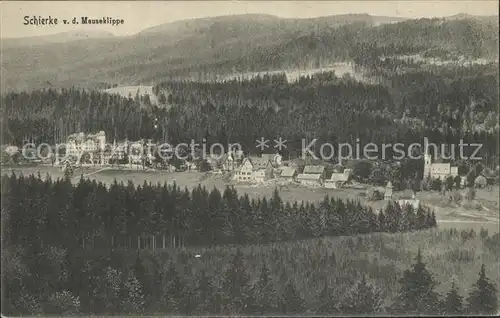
[139, 15]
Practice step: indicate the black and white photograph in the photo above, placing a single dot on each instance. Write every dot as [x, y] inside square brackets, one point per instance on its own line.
[250, 158]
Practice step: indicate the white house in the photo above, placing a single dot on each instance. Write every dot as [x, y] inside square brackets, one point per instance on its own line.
[337, 180]
[265, 173]
[314, 170]
[259, 175]
[288, 173]
[408, 198]
[309, 179]
[480, 181]
[119, 150]
[245, 172]
[253, 170]
[227, 162]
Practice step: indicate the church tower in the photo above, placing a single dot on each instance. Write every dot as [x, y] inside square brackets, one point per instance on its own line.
[427, 163]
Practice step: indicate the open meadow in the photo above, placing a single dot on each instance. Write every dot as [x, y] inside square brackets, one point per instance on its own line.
[127, 91]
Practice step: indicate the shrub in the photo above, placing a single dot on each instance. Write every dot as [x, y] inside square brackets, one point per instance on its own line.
[374, 195]
[63, 303]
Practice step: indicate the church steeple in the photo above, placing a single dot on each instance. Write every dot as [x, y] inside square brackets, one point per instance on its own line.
[427, 163]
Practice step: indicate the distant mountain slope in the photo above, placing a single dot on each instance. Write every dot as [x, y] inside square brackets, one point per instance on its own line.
[201, 48]
[464, 16]
[63, 37]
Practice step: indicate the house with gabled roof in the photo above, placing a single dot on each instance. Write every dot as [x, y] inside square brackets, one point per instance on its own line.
[309, 179]
[312, 175]
[253, 169]
[227, 161]
[288, 173]
[408, 197]
[314, 170]
[337, 179]
[259, 162]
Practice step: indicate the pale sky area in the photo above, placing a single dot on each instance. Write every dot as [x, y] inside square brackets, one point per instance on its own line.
[139, 15]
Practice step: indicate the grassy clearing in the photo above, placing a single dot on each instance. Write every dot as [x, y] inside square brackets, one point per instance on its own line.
[133, 90]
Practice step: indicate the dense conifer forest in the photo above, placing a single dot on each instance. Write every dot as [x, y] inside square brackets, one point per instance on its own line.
[322, 106]
[47, 268]
[90, 214]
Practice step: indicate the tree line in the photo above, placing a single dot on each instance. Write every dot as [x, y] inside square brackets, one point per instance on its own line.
[46, 212]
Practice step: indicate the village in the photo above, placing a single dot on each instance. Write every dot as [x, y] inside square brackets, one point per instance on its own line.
[237, 168]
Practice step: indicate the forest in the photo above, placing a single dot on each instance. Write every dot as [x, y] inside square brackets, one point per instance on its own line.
[404, 109]
[255, 257]
[91, 214]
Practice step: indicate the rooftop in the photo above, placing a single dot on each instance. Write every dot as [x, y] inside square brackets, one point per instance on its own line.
[309, 177]
[406, 195]
[339, 177]
[258, 161]
[288, 171]
[313, 169]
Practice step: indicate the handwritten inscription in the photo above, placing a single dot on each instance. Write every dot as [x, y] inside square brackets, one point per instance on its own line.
[39, 20]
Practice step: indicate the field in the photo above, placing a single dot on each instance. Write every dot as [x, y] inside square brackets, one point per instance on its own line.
[133, 90]
[448, 215]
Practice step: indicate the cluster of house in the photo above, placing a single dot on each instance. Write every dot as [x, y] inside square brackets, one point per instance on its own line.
[442, 171]
[241, 168]
[256, 169]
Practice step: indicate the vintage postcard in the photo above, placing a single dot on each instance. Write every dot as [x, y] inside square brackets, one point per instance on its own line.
[250, 158]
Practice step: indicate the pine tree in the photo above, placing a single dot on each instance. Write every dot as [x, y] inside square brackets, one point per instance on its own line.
[204, 294]
[327, 304]
[453, 301]
[381, 221]
[392, 217]
[291, 302]
[372, 221]
[430, 220]
[421, 220]
[187, 302]
[172, 290]
[235, 287]
[364, 298]
[406, 218]
[133, 301]
[483, 298]
[63, 303]
[111, 289]
[265, 295]
[417, 294]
